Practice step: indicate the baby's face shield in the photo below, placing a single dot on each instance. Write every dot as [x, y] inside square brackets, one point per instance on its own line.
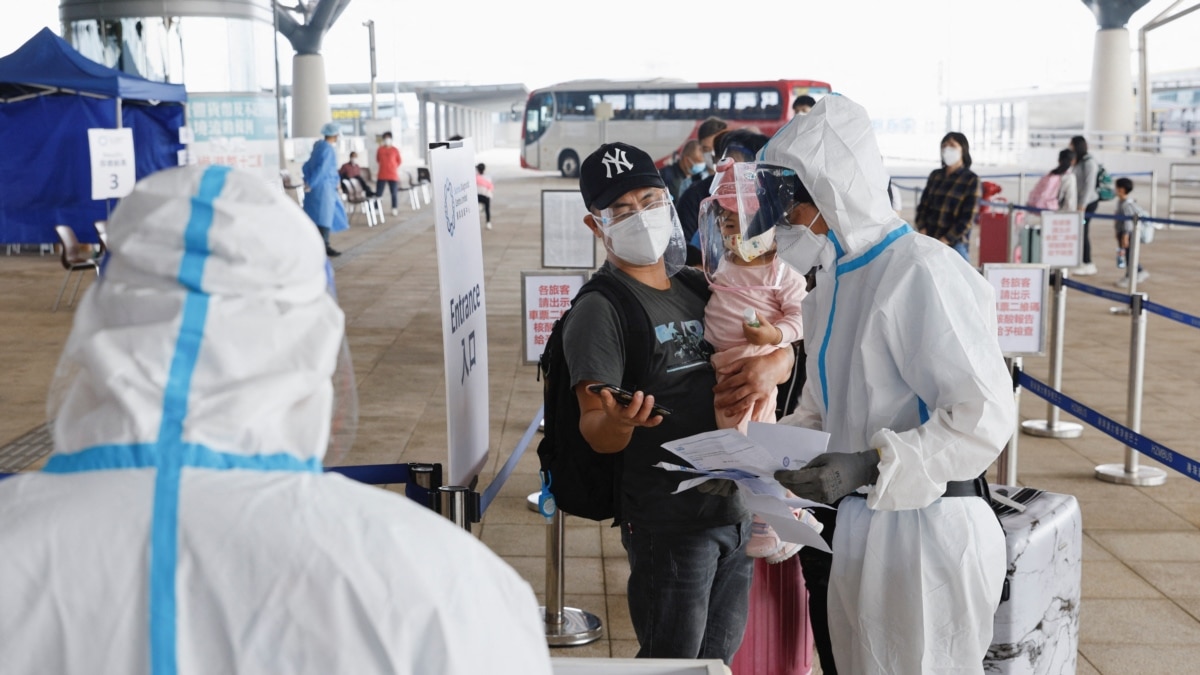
[737, 220]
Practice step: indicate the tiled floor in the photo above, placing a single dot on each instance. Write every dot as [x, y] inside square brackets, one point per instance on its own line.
[1141, 572]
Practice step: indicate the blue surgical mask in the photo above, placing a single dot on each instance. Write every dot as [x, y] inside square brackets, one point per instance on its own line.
[698, 167]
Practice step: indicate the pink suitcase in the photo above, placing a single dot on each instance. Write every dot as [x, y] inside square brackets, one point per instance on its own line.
[778, 638]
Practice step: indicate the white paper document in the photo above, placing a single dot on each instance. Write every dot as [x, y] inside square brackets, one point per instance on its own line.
[751, 461]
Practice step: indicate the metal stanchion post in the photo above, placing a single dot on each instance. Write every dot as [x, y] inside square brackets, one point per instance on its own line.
[1051, 427]
[1154, 193]
[454, 504]
[1130, 473]
[565, 626]
[1006, 463]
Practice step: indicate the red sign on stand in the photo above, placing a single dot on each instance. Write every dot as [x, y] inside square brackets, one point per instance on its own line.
[1021, 292]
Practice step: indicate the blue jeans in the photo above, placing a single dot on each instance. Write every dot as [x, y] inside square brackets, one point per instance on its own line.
[392, 186]
[689, 592]
[964, 249]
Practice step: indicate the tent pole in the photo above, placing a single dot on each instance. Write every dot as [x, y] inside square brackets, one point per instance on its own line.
[118, 99]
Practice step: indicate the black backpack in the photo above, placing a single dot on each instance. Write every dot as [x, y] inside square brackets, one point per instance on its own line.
[584, 482]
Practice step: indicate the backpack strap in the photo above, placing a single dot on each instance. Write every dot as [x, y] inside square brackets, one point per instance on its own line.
[635, 325]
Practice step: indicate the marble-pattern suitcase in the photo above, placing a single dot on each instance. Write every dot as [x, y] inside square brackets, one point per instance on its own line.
[1036, 627]
[778, 639]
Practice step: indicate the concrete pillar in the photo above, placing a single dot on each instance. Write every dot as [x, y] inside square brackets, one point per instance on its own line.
[310, 95]
[1110, 100]
[439, 127]
[423, 127]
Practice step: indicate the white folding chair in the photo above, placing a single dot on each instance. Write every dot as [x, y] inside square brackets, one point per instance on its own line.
[75, 257]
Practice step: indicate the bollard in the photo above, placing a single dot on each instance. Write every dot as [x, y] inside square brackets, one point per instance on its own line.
[455, 504]
[1006, 463]
[1130, 473]
[1051, 427]
[423, 479]
[565, 626]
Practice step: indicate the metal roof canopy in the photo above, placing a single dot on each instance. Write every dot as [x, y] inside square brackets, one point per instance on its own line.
[490, 97]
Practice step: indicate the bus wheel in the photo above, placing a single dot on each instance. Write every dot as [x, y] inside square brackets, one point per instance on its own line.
[568, 164]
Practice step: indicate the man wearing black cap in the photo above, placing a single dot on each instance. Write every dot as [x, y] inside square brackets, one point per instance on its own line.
[689, 575]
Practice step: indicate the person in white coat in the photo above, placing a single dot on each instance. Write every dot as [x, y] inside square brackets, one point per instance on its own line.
[907, 377]
[183, 524]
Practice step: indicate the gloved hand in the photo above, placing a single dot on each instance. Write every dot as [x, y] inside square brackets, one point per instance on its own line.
[719, 487]
[832, 475]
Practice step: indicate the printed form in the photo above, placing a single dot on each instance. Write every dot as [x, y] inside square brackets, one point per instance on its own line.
[751, 461]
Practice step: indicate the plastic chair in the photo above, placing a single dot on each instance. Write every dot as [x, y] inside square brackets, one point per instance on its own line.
[357, 199]
[424, 178]
[74, 257]
[414, 201]
[297, 189]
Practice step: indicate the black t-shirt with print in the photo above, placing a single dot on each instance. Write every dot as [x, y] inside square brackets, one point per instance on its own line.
[680, 377]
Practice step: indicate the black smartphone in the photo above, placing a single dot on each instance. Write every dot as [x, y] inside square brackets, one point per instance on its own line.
[624, 397]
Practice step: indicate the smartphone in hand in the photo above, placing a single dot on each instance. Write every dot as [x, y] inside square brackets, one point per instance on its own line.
[624, 397]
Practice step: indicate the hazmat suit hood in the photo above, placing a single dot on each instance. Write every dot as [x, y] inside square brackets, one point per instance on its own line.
[211, 324]
[833, 151]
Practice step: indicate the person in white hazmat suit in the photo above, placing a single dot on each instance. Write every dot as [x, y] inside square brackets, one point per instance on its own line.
[906, 374]
[183, 524]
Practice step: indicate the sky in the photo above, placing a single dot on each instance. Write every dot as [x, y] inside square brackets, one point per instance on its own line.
[892, 56]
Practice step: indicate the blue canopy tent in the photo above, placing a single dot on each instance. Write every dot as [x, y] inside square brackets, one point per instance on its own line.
[50, 95]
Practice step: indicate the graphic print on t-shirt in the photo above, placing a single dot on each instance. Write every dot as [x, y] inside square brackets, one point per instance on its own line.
[684, 344]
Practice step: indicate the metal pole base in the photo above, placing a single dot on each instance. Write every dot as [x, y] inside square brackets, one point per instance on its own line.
[532, 501]
[1145, 476]
[577, 628]
[1043, 429]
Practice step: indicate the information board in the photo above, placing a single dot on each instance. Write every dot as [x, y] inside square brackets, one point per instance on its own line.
[544, 298]
[464, 307]
[1062, 240]
[1021, 292]
[111, 152]
[566, 240]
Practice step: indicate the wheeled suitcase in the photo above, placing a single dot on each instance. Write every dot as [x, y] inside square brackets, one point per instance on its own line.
[778, 639]
[1036, 627]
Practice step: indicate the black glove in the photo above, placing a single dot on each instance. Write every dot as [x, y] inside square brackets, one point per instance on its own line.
[832, 475]
[719, 487]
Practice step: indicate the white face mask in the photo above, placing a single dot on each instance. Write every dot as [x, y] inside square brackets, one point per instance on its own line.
[642, 238]
[801, 248]
[951, 156]
[709, 161]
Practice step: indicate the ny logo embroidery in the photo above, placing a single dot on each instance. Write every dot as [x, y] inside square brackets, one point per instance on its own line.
[615, 161]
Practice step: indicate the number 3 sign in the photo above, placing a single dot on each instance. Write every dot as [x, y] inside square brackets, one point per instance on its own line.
[112, 162]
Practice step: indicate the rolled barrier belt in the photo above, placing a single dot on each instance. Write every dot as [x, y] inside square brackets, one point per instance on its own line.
[498, 482]
[373, 474]
[1156, 451]
[1173, 314]
[1123, 298]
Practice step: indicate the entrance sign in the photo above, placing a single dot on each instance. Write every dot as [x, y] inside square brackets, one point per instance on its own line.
[1021, 314]
[464, 307]
[544, 298]
[113, 172]
[566, 240]
[1062, 241]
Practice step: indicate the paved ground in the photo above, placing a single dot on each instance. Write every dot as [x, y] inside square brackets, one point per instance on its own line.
[1141, 570]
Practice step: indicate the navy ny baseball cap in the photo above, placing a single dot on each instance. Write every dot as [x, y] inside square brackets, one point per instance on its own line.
[614, 169]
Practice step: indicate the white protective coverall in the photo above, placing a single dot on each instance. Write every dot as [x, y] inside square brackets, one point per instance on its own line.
[903, 357]
[183, 524]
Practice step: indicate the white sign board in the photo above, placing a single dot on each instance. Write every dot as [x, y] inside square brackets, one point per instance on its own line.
[1021, 312]
[464, 310]
[1062, 240]
[544, 298]
[113, 173]
[566, 240]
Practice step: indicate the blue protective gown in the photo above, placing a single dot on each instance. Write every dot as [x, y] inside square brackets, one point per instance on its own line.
[322, 203]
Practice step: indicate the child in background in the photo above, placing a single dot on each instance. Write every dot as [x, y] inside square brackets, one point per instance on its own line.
[754, 309]
[1127, 208]
[485, 188]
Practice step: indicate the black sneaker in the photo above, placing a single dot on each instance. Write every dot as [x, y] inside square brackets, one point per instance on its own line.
[332, 253]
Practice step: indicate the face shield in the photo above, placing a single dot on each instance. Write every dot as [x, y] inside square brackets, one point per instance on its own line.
[643, 229]
[736, 222]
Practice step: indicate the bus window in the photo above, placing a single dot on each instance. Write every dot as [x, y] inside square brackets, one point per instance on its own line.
[574, 105]
[692, 104]
[651, 105]
[538, 114]
[744, 105]
[620, 104]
